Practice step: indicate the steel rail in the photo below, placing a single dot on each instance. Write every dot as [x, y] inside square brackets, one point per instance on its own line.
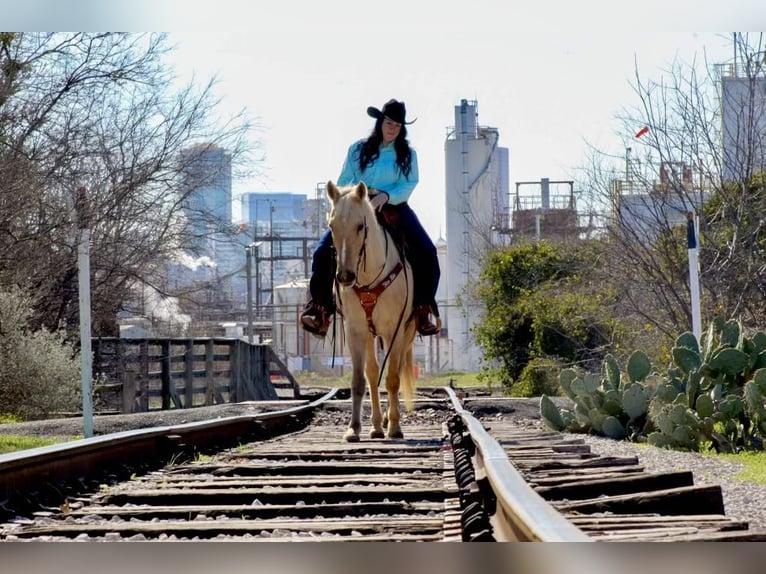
[520, 514]
[24, 472]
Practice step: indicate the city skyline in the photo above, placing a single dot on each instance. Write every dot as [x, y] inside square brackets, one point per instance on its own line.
[550, 104]
[551, 78]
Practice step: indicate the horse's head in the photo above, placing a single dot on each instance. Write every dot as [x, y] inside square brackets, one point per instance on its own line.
[350, 217]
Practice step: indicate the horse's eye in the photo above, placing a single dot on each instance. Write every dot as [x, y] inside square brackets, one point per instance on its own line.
[360, 228]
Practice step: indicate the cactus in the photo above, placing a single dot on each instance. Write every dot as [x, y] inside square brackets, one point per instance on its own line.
[759, 342]
[613, 402]
[566, 376]
[551, 415]
[714, 390]
[677, 426]
[688, 341]
[687, 360]
[660, 440]
[613, 428]
[666, 393]
[639, 366]
[704, 406]
[600, 399]
[729, 361]
[731, 333]
[635, 401]
[611, 373]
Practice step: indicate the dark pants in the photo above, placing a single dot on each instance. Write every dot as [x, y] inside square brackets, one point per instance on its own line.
[420, 250]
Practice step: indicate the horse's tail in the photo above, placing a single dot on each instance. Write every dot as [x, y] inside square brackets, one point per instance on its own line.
[406, 379]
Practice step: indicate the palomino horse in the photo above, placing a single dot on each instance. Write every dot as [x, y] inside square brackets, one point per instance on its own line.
[375, 294]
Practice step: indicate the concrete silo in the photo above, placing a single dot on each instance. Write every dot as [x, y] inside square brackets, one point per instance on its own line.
[477, 194]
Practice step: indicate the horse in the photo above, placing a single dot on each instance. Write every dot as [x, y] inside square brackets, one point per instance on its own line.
[374, 288]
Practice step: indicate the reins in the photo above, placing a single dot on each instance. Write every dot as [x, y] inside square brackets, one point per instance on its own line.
[368, 296]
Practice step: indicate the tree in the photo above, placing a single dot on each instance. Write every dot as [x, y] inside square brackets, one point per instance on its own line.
[97, 111]
[543, 299]
[701, 153]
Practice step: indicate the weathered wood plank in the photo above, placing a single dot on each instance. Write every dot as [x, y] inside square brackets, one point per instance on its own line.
[685, 500]
[260, 511]
[591, 474]
[377, 524]
[599, 462]
[272, 495]
[590, 488]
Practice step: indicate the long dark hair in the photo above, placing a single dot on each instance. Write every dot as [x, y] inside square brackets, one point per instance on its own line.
[370, 148]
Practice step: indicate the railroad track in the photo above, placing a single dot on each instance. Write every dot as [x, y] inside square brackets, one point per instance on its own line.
[285, 476]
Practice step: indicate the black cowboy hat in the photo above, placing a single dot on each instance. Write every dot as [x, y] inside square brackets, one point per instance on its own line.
[393, 110]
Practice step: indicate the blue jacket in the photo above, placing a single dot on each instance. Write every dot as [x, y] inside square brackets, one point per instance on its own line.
[382, 174]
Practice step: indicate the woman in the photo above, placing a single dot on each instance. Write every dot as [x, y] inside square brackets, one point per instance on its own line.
[389, 167]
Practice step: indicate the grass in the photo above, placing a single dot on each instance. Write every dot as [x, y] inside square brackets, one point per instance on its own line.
[754, 462]
[13, 443]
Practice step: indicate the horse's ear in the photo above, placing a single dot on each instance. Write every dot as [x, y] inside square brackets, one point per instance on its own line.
[332, 191]
[361, 190]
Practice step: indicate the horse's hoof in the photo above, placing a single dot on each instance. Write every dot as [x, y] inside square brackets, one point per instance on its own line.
[377, 434]
[396, 434]
[350, 436]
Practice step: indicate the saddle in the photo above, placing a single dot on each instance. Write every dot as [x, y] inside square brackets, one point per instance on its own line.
[389, 218]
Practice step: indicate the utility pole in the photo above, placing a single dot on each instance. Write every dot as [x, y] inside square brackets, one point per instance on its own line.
[249, 272]
[271, 273]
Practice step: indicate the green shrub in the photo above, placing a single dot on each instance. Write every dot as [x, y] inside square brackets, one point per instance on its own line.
[39, 370]
[539, 377]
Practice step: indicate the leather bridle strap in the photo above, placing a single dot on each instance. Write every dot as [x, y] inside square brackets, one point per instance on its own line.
[368, 296]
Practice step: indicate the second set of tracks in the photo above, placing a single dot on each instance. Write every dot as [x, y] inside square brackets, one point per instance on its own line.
[452, 478]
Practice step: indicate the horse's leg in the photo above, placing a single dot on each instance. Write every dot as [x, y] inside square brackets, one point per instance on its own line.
[393, 430]
[372, 370]
[358, 386]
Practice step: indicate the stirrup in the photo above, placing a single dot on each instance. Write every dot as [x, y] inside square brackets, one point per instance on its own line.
[316, 319]
[424, 324]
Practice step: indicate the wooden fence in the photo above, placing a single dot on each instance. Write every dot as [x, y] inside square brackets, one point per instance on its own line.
[133, 375]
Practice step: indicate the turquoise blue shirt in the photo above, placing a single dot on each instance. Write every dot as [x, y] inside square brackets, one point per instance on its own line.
[382, 174]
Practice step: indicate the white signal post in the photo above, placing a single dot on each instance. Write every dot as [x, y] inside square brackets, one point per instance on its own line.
[694, 284]
[82, 213]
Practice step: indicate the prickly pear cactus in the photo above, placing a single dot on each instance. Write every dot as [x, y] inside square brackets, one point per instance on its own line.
[613, 428]
[677, 427]
[551, 415]
[638, 367]
[729, 361]
[566, 377]
[611, 372]
[714, 390]
[635, 400]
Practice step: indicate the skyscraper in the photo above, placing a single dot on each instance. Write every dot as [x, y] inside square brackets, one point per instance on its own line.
[206, 191]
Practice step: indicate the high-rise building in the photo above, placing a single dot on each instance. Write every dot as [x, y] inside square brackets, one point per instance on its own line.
[206, 188]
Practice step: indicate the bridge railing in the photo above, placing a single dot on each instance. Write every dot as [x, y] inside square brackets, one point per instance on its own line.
[133, 375]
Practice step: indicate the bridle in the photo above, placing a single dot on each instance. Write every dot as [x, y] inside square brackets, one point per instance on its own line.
[369, 293]
[368, 296]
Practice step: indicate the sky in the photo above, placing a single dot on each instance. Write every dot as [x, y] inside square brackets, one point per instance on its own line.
[550, 75]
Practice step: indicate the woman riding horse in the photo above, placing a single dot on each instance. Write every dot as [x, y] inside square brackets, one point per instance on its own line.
[388, 165]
